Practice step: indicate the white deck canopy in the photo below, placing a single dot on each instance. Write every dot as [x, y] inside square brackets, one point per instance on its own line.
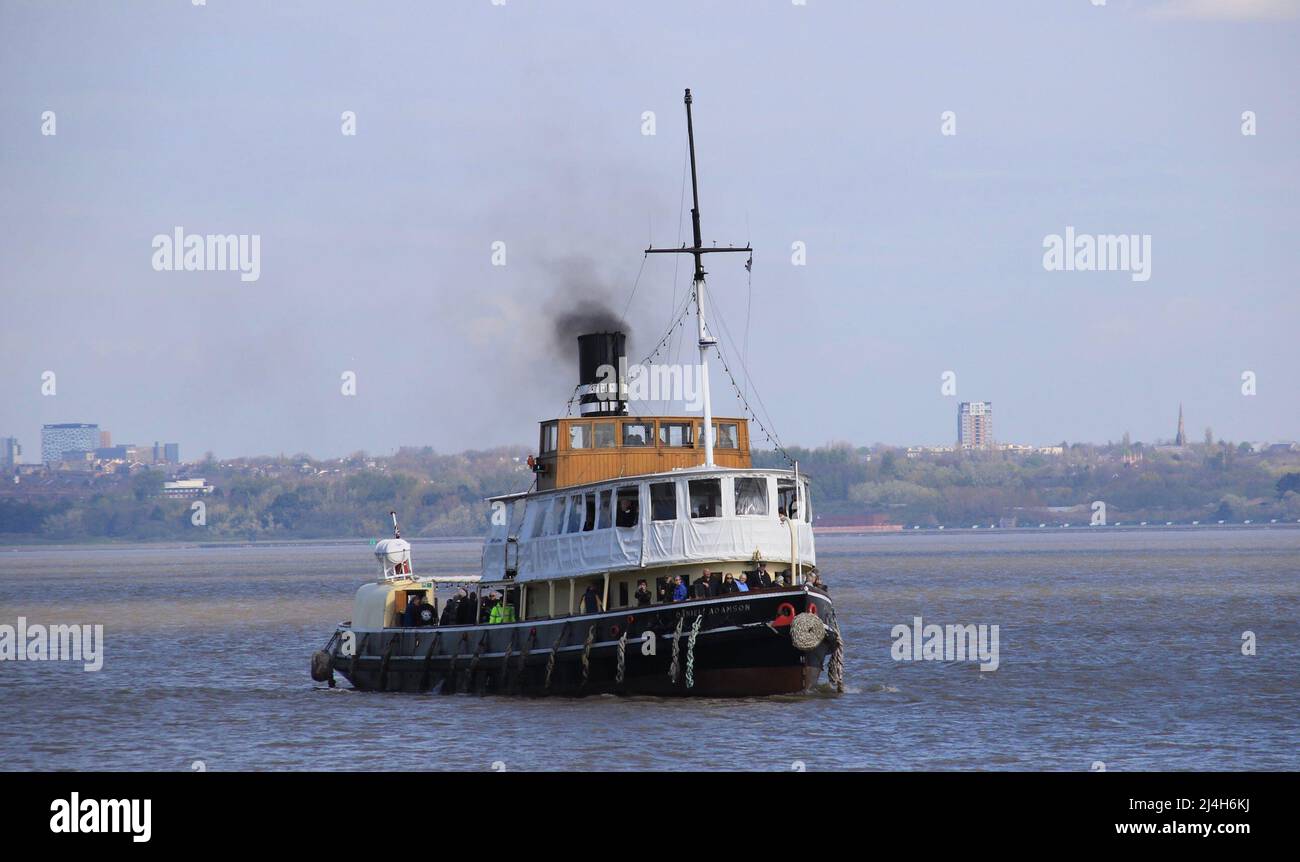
[681, 517]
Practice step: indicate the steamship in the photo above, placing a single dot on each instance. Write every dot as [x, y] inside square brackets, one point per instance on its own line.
[577, 592]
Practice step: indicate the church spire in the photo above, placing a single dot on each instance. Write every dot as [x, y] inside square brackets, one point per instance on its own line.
[1181, 439]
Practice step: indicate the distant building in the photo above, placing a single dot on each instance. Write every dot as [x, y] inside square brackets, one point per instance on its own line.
[105, 439]
[172, 453]
[67, 437]
[1180, 439]
[975, 425]
[10, 451]
[122, 452]
[186, 488]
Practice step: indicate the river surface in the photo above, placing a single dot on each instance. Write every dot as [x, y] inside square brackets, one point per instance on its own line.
[1115, 648]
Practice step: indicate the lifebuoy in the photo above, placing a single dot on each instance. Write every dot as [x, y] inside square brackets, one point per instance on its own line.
[784, 614]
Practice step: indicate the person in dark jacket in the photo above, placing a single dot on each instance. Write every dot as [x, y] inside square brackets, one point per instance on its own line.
[703, 588]
[410, 616]
[465, 613]
[728, 585]
[761, 577]
[590, 601]
[626, 516]
[449, 611]
[642, 594]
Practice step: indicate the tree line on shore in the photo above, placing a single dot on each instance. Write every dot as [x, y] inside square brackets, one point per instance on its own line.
[443, 495]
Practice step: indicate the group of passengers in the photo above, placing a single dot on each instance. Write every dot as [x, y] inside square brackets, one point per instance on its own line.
[711, 584]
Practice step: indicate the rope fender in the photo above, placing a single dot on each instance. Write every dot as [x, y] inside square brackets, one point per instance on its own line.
[690, 651]
[586, 653]
[550, 662]
[673, 670]
[622, 653]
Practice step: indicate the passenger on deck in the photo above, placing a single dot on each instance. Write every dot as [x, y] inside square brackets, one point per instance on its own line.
[704, 587]
[761, 577]
[626, 513]
[491, 603]
[449, 609]
[411, 616]
[742, 584]
[590, 601]
[642, 594]
[679, 589]
[664, 591]
[728, 585]
[465, 612]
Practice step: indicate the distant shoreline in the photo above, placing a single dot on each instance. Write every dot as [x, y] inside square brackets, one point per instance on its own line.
[14, 546]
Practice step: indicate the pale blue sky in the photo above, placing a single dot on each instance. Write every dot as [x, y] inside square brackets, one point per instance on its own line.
[522, 123]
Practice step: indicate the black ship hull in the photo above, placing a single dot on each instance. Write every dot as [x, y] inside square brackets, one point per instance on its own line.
[728, 646]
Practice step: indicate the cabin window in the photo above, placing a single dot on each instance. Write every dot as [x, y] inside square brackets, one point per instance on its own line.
[638, 433]
[706, 498]
[751, 495]
[555, 523]
[606, 514]
[629, 507]
[675, 434]
[575, 514]
[785, 498]
[622, 594]
[726, 435]
[550, 437]
[580, 435]
[605, 436]
[538, 514]
[589, 513]
[663, 501]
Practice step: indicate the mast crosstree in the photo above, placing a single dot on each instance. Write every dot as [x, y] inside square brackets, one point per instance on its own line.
[698, 250]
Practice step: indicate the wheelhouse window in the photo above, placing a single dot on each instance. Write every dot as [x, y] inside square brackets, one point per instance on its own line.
[676, 434]
[606, 511]
[706, 498]
[580, 435]
[663, 501]
[605, 435]
[638, 433]
[726, 435]
[628, 513]
[550, 437]
[751, 495]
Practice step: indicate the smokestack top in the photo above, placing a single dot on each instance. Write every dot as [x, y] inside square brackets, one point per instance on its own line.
[602, 362]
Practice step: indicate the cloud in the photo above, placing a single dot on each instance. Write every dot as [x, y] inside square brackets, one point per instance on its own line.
[1229, 10]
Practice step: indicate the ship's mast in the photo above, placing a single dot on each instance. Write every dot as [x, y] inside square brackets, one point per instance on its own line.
[706, 338]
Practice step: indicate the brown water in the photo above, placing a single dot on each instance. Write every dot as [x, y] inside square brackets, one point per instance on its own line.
[1119, 647]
